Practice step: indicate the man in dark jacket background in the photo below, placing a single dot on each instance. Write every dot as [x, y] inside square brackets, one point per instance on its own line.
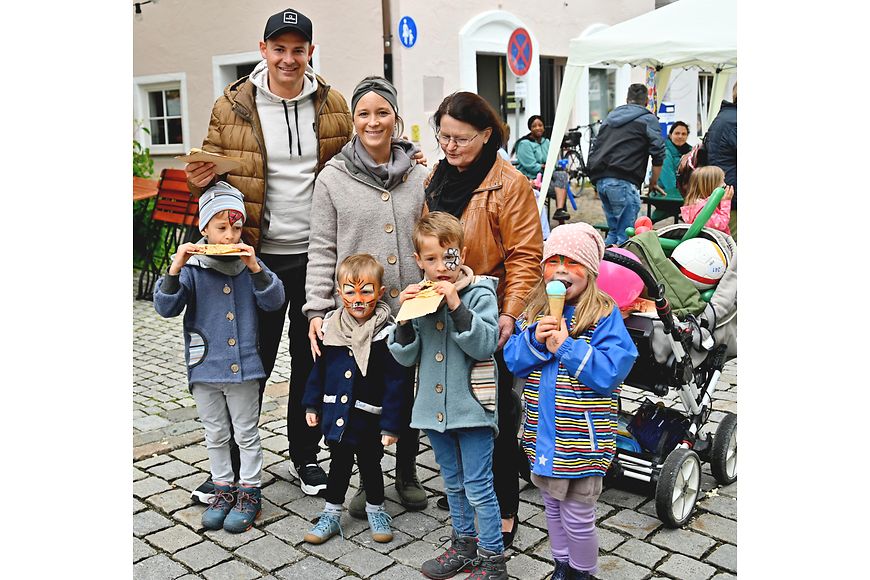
[617, 163]
[721, 144]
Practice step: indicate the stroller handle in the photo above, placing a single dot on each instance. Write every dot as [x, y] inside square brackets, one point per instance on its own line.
[654, 290]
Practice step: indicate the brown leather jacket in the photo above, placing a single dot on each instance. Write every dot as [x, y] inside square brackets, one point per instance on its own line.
[235, 130]
[503, 234]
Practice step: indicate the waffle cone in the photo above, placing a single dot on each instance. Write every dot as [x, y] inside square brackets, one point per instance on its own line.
[557, 303]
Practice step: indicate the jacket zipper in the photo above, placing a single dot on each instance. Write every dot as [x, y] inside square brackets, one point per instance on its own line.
[592, 439]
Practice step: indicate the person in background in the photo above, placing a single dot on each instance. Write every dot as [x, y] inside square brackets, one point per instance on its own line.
[721, 144]
[496, 206]
[628, 137]
[531, 150]
[675, 147]
[701, 185]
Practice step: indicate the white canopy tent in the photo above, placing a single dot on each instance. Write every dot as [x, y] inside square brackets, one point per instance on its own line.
[686, 33]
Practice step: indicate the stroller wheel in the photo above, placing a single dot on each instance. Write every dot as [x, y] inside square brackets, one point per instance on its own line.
[723, 455]
[678, 487]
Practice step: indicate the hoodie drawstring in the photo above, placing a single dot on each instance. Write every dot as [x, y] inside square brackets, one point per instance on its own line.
[289, 131]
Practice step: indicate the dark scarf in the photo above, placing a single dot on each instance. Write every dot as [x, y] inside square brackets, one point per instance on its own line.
[450, 190]
[682, 149]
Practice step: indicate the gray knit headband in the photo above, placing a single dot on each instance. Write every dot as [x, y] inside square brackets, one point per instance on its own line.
[380, 86]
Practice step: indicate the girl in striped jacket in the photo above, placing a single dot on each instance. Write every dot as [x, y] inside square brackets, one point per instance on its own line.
[574, 361]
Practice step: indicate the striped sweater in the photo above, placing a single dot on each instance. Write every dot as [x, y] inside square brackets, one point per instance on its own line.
[571, 396]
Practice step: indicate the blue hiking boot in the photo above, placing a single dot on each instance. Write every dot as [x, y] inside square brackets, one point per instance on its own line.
[222, 503]
[327, 526]
[379, 524]
[246, 510]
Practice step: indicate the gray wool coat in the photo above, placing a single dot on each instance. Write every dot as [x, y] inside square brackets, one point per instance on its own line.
[350, 214]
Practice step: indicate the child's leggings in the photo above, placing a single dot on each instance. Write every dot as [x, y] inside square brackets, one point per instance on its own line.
[573, 536]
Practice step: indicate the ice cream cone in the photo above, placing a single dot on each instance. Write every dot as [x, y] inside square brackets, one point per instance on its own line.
[556, 297]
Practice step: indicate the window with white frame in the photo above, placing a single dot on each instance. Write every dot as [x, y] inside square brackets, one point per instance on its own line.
[160, 106]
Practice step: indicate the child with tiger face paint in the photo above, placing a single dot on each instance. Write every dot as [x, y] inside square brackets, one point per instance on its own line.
[359, 395]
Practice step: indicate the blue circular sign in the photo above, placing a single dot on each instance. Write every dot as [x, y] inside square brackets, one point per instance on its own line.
[407, 31]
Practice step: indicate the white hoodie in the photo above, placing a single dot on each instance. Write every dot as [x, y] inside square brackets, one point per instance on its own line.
[290, 173]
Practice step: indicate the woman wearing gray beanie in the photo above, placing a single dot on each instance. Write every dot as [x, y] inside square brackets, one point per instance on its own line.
[367, 199]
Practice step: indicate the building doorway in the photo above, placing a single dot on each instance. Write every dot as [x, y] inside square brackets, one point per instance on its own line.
[492, 82]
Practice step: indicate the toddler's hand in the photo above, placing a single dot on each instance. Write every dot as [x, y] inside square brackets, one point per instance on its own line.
[387, 440]
[312, 419]
[409, 292]
[448, 290]
[249, 261]
[729, 192]
[557, 337]
[181, 258]
[546, 326]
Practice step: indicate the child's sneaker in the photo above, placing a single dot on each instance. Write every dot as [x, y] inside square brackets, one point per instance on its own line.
[222, 503]
[327, 526]
[247, 508]
[379, 524]
[488, 566]
[458, 557]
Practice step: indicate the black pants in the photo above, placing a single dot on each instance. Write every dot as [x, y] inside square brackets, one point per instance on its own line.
[368, 458]
[303, 441]
[505, 455]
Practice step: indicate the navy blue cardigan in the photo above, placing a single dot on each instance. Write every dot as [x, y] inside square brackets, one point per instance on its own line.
[336, 384]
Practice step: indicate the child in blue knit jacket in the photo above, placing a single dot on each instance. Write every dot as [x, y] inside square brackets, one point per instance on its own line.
[574, 364]
[220, 296]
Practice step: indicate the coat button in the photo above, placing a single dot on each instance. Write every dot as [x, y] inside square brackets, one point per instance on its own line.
[439, 356]
[231, 342]
[350, 352]
[440, 417]
[344, 398]
[439, 388]
[339, 421]
[234, 367]
[385, 196]
[439, 325]
[388, 228]
[347, 374]
[391, 259]
[394, 292]
[230, 316]
[227, 289]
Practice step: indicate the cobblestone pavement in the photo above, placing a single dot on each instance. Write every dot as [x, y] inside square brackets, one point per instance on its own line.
[169, 460]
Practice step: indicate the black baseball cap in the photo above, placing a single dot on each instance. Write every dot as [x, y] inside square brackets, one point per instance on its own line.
[286, 21]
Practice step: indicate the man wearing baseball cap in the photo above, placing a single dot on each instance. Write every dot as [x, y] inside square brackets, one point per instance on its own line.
[286, 114]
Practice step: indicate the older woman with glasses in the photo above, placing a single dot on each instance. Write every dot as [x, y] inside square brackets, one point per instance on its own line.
[496, 206]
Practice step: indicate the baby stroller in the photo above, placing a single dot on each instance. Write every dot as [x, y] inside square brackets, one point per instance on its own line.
[658, 445]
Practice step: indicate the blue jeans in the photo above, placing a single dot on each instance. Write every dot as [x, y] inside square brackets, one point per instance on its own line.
[621, 202]
[465, 458]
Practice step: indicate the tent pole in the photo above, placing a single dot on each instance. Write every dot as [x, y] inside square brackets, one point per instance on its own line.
[720, 81]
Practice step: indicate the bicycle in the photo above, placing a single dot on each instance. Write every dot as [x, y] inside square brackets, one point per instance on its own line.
[572, 151]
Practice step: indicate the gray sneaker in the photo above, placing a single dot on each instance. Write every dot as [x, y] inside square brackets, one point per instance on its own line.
[488, 566]
[459, 557]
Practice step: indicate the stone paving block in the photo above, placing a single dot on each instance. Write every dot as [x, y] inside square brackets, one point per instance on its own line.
[621, 498]
[184, 427]
[364, 538]
[191, 482]
[150, 423]
[169, 406]
[602, 510]
[532, 495]
[399, 572]
[141, 550]
[190, 454]
[148, 522]
[729, 490]
[723, 576]
[633, 523]
[716, 526]
[725, 556]
[173, 539]
[270, 458]
[543, 552]
[191, 517]
[152, 461]
[172, 470]
[527, 537]
[539, 521]
[203, 555]
[416, 553]
[138, 506]
[720, 505]
[233, 570]
[330, 550]
[365, 563]
[171, 500]
[608, 541]
[182, 413]
[269, 553]
[640, 553]
[140, 439]
[415, 524]
[310, 567]
[686, 568]
[158, 567]
[616, 568]
[277, 444]
[290, 529]
[306, 507]
[526, 568]
[233, 541]
[138, 474]
[683, 541]
[282, 492]
[203, 465]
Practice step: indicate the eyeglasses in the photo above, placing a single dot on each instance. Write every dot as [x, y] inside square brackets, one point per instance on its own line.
[460, 141]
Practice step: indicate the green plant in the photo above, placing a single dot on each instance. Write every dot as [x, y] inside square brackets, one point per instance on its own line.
[143, 164]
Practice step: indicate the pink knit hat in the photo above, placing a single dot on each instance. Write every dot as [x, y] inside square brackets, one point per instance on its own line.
[579, 241]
